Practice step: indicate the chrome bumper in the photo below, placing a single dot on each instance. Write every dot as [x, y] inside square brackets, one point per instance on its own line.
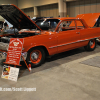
[4, 46]
[24, 54]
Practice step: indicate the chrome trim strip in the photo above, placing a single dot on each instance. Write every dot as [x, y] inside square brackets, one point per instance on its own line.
[72, 42]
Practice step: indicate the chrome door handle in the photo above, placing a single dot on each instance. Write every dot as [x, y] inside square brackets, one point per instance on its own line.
[78, 32]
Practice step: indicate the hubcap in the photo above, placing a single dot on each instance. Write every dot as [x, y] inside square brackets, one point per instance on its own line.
[92, 43]
[34, 55]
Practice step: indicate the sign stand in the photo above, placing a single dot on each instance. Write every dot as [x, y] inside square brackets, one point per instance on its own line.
[19, 65]
[13, 58]
[14, 52]
[26, 64]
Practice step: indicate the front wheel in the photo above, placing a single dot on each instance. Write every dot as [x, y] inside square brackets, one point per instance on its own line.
[35, 57]
[91, 45]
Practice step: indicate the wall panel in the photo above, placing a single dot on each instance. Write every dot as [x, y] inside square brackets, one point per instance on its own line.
[29, 12]
[68, 9]
[31, 3]
[93, 6]
[83, 6]
[51, 10]
[98, 6]
[77, 8]
[9, 2]
[72, 9]
[87, 6]
[48, 10]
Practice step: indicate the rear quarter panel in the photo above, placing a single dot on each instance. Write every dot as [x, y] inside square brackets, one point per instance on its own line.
[90, 33]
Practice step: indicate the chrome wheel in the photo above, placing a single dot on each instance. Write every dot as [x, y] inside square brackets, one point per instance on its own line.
[35, 57]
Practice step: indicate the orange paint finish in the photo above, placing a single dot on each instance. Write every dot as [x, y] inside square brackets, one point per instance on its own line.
[45, 39]
[60, 41]
[89, 18]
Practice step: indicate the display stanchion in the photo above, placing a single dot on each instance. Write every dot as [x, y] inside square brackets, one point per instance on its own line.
[26, 64]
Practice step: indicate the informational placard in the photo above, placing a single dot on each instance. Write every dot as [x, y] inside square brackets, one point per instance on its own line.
[14, 51]
[10, 73]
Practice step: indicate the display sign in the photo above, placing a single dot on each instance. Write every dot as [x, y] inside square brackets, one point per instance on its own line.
[10, 73]
[14, 51]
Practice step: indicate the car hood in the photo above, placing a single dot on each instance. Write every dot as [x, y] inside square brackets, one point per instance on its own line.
[90, 18]
[17, 17]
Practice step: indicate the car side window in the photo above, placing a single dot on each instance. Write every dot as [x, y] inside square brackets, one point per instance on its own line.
[67, 25]
[79, 24]
[97, 24]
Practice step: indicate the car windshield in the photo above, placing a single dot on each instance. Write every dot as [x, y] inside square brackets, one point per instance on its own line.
[47, 24]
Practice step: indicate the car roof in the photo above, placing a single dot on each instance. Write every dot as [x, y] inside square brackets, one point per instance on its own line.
[63, 18]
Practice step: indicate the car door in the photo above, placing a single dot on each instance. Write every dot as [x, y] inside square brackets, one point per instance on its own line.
[85, 33]
[68, 36]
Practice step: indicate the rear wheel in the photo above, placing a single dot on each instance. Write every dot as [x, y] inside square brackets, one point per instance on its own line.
[91, 45]
[36, 57]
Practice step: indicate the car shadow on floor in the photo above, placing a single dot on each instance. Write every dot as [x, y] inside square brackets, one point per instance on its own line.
[58, 59]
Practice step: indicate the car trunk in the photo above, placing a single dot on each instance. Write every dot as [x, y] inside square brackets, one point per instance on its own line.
[92, 19]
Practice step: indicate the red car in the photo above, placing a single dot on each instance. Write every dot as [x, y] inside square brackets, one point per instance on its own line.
[49, 36]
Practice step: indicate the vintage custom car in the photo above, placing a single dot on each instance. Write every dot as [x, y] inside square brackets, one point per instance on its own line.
[51, 35]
